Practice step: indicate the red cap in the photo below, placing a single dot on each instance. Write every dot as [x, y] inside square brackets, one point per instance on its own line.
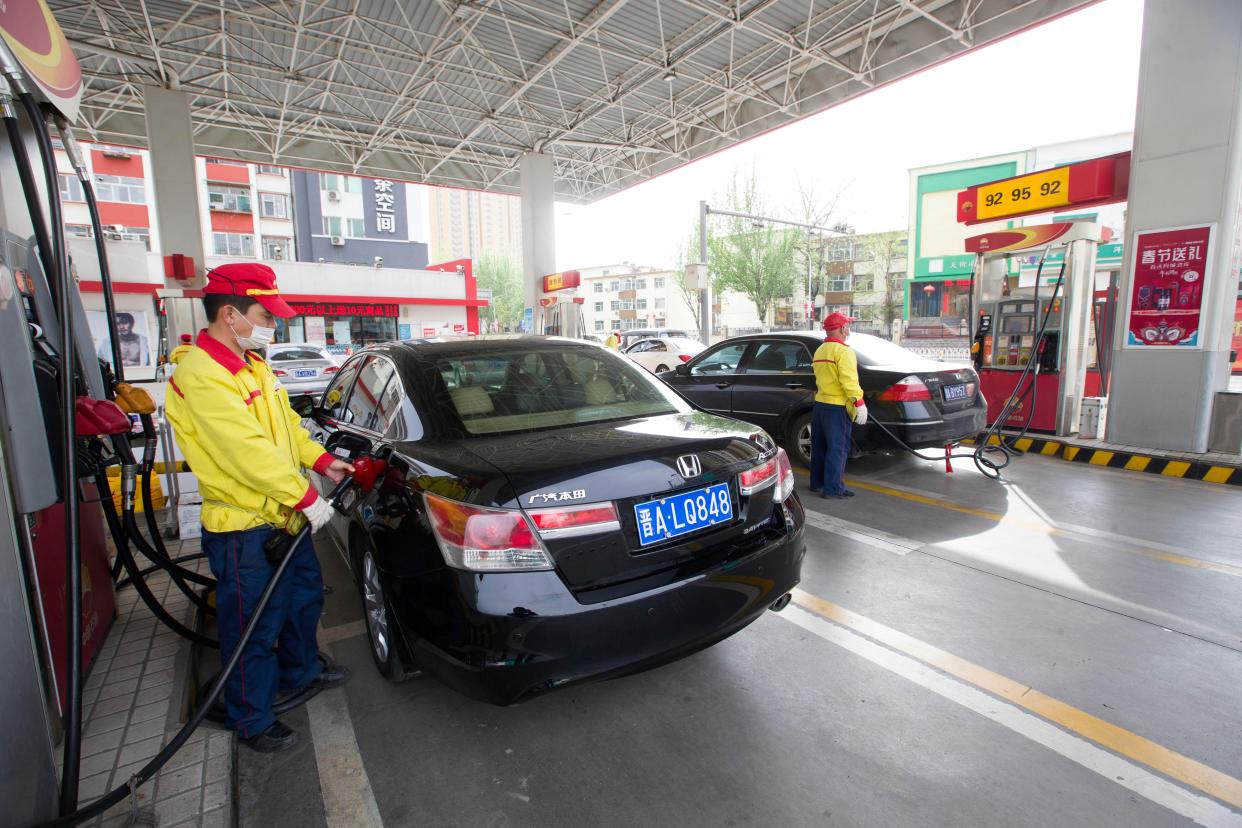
[187, 339]
[836, 320]
[258, 281]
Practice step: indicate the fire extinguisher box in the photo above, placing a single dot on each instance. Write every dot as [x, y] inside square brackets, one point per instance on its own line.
[1092, 417]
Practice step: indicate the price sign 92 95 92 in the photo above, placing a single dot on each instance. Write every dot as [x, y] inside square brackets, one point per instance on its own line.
[1030, 193]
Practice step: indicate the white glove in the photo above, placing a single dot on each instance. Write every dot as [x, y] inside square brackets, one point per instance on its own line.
[860, 414]
[318, 513]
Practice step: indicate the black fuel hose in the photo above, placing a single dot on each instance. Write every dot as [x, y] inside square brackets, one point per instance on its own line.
[121, 538]
[59, 275]
[147, 467]
[153, 568]
[160, 759]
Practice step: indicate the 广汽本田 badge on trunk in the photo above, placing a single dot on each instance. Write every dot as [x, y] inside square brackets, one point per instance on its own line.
[688, 466]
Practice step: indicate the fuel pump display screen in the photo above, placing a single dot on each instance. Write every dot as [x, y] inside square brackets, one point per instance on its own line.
[1018, 324]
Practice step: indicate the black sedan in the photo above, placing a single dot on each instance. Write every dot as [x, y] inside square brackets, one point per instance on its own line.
[552, 514]
[767, 379]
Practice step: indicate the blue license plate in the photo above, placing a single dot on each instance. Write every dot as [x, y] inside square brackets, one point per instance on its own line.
[955, 392]
[681, 514]
[305, 372]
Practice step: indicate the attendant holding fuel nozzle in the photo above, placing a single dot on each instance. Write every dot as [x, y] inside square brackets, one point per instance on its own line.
[838, 403]
[248, 449]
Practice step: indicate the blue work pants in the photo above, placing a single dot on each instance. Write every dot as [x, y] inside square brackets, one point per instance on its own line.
[283, 654]
[831, 432]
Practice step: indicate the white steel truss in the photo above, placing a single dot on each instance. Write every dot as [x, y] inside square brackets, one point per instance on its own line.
[453, 93]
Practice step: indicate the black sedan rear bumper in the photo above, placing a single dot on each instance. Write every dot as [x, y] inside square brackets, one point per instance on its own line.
[936, 433]
[502, 652]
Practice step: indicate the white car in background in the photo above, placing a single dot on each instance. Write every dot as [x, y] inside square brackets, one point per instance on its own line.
[664, 354]
[302, 368]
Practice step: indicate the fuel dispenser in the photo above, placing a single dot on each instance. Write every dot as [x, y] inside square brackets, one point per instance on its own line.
[560, 314]
[1037, 324]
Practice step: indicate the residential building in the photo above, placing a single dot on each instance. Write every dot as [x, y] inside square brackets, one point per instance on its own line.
[627, 296]
[361, 221]
[863, 276]
[465, 223]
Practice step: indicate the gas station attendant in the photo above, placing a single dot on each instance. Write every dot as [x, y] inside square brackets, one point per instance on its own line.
[838, 402]
[249, 450]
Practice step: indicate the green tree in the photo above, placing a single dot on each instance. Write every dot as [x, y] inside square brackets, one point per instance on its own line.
[753, 258]
[501, 273]
[882, 251]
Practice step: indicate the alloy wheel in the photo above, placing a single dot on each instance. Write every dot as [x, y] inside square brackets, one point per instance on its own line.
[376, 609]
[804, 440]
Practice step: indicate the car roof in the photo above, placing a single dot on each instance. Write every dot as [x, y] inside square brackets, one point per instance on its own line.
[476, 344]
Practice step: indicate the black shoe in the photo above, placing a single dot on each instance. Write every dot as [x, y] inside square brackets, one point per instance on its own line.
[332, 675]
[843, 495]
[277, 737]
[816, 490]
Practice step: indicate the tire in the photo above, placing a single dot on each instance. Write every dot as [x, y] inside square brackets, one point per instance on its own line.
[381, 630]
[660, 369]
[799, 443]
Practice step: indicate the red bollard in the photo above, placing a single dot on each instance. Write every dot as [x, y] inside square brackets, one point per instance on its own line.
[948, 459]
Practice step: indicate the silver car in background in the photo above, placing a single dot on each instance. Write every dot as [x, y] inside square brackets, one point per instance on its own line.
[302, 368]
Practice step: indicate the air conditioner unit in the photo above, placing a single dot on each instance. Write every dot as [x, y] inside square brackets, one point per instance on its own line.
[338, 241]
[334, 195]
[117, 228]
[116, 152]
[216, 207]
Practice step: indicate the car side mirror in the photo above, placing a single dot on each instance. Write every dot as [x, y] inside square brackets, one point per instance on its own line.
[683, 370]
[303, 405]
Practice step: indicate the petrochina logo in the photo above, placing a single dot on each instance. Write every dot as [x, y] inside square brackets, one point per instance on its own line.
[967, 206]
[688, 466]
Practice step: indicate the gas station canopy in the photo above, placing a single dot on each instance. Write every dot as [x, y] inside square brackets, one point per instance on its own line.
[450, 93]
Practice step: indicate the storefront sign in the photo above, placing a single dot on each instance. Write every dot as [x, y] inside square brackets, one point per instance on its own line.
[1237, 337]
[1168, 280]
[344, 309]
[316, 333]
[404, 331]
[1086, 184]
[561, 281]
[35, 39]
[385, 218]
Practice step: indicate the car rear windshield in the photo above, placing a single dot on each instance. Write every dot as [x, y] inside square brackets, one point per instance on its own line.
[872, 350]
[534, 390]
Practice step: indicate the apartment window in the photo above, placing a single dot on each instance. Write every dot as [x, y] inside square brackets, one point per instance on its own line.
[277, 248]
[273, 205]
[232, 244]
[640, 284]
[628, 284]
[224, 162]
[120, 188]
[599, 307]
[332, 225]
[659, 303]
[658, 282]
[641, 304]
[599, 324]
[614, 286]
[71, 188]
[230, 199]
[864, 282]
[614, 305]
[841, 283]
[627, 304]
[331, 181]
[599, 287]
[357, 228]
[117, 232]
[268, 169]
[661, 322]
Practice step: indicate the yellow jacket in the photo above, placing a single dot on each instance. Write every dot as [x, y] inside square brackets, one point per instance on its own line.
[836, 374]
[243, 442]
[179, 352]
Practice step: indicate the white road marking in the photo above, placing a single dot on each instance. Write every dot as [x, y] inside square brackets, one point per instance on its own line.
[876, 538]
[348, 801]
[1195, 807]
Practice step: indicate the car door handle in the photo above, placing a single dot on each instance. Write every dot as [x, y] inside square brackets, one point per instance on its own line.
[723, 384]
[794, 385]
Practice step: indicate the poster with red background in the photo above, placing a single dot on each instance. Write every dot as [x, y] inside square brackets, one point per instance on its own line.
[1237, 338]
[1167, 287]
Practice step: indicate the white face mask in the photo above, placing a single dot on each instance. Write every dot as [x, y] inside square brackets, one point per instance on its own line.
[259, 338]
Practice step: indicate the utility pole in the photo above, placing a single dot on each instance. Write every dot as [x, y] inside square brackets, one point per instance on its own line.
[705, 286]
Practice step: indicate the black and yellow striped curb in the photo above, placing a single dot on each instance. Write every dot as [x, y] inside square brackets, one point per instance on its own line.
[1207, 472]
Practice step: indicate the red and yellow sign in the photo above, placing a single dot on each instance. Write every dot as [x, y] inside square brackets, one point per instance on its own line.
[1018, 238]
[35, 39]
[1086, 184]
[561, 281]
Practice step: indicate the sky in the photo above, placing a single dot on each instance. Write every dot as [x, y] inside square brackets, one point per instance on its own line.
[1076, 77]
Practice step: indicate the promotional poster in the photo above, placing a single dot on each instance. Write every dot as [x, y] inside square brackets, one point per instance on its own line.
[1170, 270]
[132, 329]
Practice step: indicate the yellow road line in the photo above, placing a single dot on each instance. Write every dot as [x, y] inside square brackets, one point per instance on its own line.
[1034, 526]
[1169, 762]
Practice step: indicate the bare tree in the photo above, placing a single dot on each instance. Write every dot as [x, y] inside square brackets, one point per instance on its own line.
[881, 250]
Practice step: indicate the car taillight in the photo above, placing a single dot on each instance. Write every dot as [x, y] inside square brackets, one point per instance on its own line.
[575, 520]
[485, 540]
[684, 357]
[760, 477]
[909, 389]
[280, 373]
[332, 369]
[785, 477]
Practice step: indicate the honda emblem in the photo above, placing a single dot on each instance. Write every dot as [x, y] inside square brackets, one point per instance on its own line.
[689, 466]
